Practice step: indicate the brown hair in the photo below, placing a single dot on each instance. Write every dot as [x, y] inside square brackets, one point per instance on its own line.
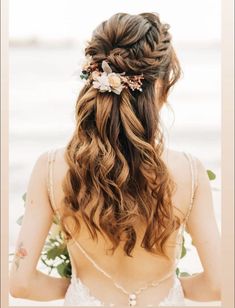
[115, 171]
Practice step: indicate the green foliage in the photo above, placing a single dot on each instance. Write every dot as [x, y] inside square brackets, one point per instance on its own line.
[211, 175]
[183, 254]
[24, 197]
[84, 75]
[19, 220]
[55, 254]
[184, 274]
[64, 269]
[183, 250]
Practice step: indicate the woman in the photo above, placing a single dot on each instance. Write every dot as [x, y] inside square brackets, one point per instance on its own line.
[123, 199]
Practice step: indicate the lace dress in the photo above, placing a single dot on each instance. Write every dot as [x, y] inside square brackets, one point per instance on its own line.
[78, 294]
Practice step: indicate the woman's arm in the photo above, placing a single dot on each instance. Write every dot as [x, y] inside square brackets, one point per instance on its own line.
[206, 238]
[25, 280]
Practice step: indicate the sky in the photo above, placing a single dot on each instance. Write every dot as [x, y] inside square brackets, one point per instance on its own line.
[190, 20]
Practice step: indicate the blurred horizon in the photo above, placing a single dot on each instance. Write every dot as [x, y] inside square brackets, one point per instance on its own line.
[195, 21]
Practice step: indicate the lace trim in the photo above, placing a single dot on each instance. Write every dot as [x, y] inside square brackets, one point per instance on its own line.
[80, 295]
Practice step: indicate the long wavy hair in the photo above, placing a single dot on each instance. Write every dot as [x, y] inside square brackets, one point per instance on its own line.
[116, 177]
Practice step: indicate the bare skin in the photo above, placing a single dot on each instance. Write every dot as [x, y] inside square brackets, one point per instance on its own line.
[25, 278]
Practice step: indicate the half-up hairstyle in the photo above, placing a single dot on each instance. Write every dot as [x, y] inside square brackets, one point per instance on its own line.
[116, 176]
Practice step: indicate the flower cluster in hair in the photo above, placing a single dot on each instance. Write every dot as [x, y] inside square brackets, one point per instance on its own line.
[108, 81]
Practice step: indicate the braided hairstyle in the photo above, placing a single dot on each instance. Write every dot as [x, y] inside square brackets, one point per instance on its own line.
[116, 177]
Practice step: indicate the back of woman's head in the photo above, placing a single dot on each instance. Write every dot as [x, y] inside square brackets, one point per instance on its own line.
[116, 177]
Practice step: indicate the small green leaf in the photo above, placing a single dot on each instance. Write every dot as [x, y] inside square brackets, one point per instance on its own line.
[61, 268]
[53, 253]
[24, 197]
[68, 270]
[177, 271]
[183, 252]
[84, 76]
[184, 274]
[55, 220]
[211, 175]
[19, 220]
[64, 269]
[53, 240]
[56, 251]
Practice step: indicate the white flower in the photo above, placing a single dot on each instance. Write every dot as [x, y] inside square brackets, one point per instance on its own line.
[102, 83]
[107, 81]
[114, 80]
[115, 83]
[118, 90]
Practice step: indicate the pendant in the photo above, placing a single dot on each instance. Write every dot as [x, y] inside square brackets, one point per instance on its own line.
[132, 299]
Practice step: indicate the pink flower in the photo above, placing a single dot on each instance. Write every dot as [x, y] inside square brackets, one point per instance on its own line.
[21, 252]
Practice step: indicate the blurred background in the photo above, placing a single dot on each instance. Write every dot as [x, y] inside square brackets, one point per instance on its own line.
[46, 48]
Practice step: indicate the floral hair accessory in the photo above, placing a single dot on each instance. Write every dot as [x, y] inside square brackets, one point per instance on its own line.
[108, 81]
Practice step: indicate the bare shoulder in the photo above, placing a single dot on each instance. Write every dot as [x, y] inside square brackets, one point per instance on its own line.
[177, 164]
[179, 168]
[40, 164]
[42, 159]
[60, 153]
[61, 165]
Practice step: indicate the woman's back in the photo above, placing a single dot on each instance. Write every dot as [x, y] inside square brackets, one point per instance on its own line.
[129, 273]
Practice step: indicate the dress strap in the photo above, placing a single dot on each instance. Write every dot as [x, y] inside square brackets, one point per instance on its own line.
[50, 182]
[194, 181]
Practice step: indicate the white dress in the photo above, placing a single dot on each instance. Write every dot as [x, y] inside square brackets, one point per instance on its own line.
[78, 294]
